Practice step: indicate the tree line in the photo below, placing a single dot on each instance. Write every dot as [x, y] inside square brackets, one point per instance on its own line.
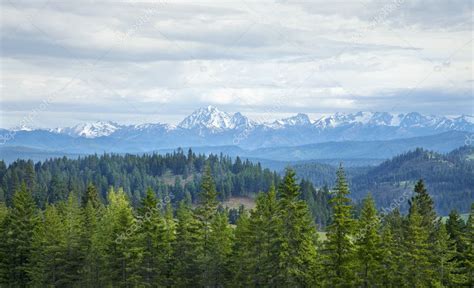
[82, 242]
[175, 175]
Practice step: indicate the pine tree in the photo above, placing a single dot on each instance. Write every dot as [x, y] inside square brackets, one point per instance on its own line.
[455, 227]
[74, 253]
[339, 248]
[91, 243]
[444, 261]
[188, 249]
[242, 259]
[166, 238]
[48, 260]
[207, 198]
[469, 252]
[265, 232]
[297, 241]
[57, 190]
[3, 212]
[92, 197]
[150, 218]
[17, 239]
[220, 241]
[425, 207]
[30, 176]
[417, 250]
[368, 245]
[118, 235]
[389, 258]
[206, 212]
[393, 248]
[3, 233]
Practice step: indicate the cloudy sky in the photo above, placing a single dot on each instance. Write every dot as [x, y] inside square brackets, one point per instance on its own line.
[64, 62]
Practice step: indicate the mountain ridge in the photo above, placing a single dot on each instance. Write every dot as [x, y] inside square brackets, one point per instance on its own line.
[211, 127]
[212, 118]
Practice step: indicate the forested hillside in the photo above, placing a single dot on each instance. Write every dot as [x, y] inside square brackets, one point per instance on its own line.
[450, 177]
[175, 175]
[80, 242]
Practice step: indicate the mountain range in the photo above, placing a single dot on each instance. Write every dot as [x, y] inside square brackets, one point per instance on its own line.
[210, 127]
[210, 120]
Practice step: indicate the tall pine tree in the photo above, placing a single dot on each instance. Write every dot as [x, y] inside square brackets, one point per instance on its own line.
[206, 211]
[339, 258]
[417, 253]
[48, 260]
[368, 245]
[444, 261]
[265, 233]
[17, 239]
[297, 239]
[188, 249]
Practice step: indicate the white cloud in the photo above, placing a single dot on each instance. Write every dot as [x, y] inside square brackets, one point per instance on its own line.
[317, 57]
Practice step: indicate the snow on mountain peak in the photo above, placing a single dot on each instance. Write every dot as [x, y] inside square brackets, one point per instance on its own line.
[298, 120]
[211, 120]
[92, 129]
[23, 128]
[466, 118]
[209, 117]
[240, 121]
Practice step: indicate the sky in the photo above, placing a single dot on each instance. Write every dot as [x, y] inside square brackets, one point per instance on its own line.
[65, 62]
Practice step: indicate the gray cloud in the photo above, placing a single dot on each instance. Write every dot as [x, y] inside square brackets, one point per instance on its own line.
[121, 60]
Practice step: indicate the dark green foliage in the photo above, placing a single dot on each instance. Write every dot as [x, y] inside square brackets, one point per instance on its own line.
[469, 253]
[393, 248]
[444, 257]
[317, 202]
[58, 254]
[297, 237]
[242, 265]
[339, 248]
[91, 197]
[369, 245]
[218, 257]
[263, 241]
[81, 242]
[16, 243]
[177, 175]
[118, 237]
[417, 251]
[52, 180]
[456, 227]
[150, 219]
[424, 206]
[449, 178]
[188, 248]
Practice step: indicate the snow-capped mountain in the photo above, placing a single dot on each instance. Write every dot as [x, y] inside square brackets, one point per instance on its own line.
[207, 118]
[211, 127]
[214, 120]
[299, 119]
[23, 128]
[239, 121]
[409, 120]
[90, 130]
[152, 126]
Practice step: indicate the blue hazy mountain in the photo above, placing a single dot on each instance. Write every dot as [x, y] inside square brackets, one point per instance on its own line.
[211, 127]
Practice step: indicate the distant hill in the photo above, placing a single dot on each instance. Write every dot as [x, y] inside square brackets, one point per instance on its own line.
[448, 177]
[443, 143]
[10, 154]
[353, 153]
